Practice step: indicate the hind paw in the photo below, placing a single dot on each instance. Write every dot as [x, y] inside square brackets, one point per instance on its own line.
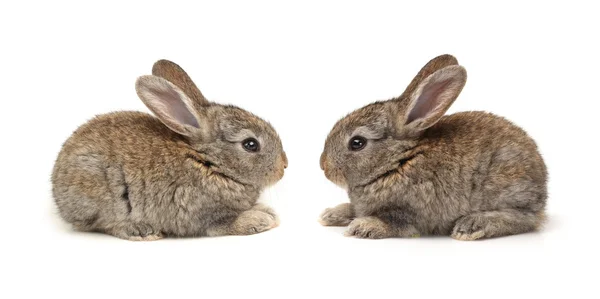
[137, 232]
[468, 228]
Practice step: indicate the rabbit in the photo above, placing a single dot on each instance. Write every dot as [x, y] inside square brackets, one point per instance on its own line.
[410, 171]
[196, 169]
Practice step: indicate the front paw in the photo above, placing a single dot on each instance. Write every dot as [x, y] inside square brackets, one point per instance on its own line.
[266, 209]
[369, 228]
[253, 222]
[340, 215]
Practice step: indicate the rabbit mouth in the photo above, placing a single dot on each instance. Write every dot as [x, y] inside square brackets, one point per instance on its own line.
[335, 175]
[275, 177]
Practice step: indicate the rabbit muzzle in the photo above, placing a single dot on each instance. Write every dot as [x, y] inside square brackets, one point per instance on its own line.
[332, 173]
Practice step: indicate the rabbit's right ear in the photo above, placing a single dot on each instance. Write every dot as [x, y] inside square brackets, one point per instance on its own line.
[431, 67]
[175, 74]
[432, 98]
[170, 104]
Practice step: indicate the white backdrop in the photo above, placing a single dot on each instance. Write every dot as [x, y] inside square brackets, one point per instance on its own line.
[302, 66]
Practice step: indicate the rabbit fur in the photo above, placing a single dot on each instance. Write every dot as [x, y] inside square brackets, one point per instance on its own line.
[470, 175]
[182, 173]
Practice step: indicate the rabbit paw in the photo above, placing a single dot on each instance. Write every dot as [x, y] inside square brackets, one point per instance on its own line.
[369, 228]
[137, 232]
[266, 209]
[340, 215]
[407, 231]
[468, 228]
[252, 222]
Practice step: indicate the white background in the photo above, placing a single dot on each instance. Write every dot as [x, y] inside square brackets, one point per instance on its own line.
[301, 66]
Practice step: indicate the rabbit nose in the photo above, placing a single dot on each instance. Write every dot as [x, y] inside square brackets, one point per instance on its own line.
[322, 162]
[285, 160]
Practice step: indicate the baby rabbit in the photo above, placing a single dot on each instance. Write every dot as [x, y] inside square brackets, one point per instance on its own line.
[409, 170]
[196, 169]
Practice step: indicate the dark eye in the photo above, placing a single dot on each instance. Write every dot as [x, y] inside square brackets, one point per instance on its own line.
[357, 143]
[251, 145]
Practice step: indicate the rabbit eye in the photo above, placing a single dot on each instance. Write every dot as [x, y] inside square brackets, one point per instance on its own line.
[251, 145]
[357, 143]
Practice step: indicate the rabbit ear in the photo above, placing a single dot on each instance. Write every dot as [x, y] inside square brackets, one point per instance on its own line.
[433, 96]
[175, 74]
[431, 67]
[169, 103]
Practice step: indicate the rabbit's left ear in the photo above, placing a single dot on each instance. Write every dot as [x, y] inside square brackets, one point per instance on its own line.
[173, 73]
[433, 96]
[431, 67]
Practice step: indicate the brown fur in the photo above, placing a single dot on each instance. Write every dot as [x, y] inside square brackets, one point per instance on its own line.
[176, 75]
[129, 175]
[470, 175]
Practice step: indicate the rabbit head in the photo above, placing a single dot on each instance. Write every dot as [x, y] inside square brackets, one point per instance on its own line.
[373, 140]
[231, 141]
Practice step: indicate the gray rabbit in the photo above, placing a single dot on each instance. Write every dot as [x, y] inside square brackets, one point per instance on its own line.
[196, 169]
[410, 170]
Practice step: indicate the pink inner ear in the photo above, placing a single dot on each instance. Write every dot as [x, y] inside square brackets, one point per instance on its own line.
[429, 100]
[176, 108]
